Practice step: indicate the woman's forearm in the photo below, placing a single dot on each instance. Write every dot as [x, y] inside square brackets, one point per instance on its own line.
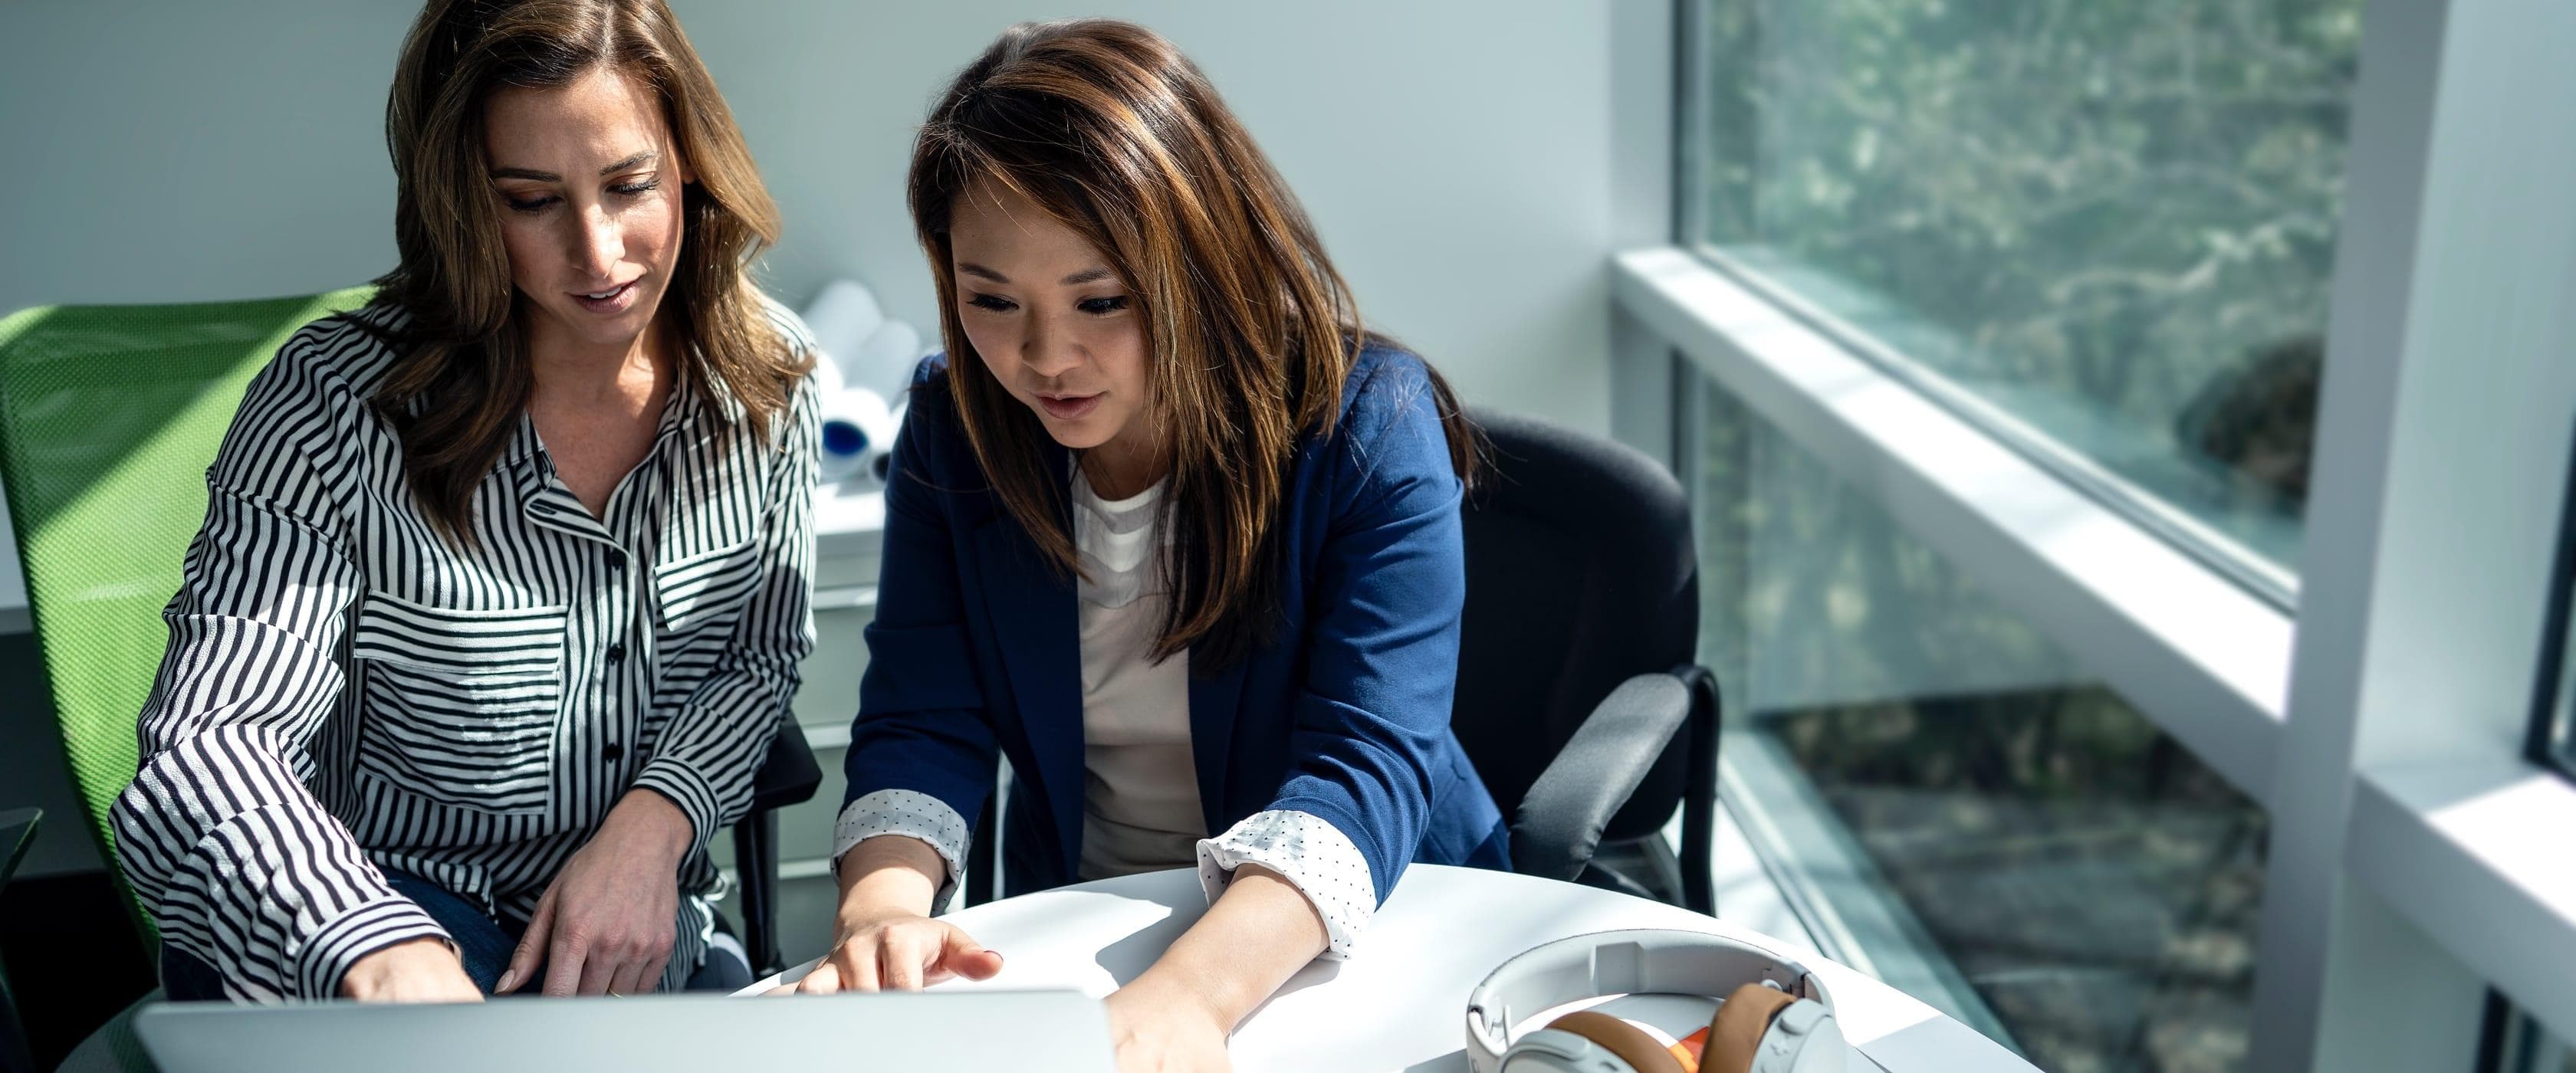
[890, 874]
[1258, 934]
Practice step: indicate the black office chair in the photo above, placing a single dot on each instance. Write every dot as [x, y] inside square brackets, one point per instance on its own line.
[1579, 696]
[788, 777]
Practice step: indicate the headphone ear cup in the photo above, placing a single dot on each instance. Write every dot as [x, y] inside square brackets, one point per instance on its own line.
[1629, 1042]
[1735, 1033]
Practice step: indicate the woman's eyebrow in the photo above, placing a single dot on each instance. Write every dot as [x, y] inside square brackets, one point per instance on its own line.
[631, 163]
[1088, 275]
[638, 160]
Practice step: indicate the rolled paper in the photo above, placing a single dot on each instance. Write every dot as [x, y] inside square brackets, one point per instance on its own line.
[884, 362]
[857, 430]
[842, 318]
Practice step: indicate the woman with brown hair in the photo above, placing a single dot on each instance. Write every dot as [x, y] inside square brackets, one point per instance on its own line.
[1170, 531]
[503, 580]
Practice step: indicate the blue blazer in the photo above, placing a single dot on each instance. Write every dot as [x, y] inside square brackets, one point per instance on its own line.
[1345, 716]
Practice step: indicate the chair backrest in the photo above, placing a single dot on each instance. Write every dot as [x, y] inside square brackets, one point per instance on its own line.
[109, 416]
[1580, 575]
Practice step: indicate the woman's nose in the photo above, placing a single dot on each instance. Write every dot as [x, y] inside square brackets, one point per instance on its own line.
[1049, 349]
[597, 244]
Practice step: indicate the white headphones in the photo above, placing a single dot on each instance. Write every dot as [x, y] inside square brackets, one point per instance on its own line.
[1776, 1017]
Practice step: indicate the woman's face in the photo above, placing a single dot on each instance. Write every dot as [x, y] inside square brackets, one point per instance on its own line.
[1053, 322]
[589, 185]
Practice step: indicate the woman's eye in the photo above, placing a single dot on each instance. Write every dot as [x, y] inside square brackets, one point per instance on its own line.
[644, 186]
[1101, 307]
[994, 303]
[535, 204]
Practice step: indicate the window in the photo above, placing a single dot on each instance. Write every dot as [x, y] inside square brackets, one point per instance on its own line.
[1944, 797]
[2103, 228]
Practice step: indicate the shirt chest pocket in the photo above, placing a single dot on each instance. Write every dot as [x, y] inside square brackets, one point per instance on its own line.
[460, 706]
[698, 599]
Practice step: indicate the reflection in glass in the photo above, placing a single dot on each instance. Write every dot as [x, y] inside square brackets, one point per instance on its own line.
[2001, 835]
[2113, 220]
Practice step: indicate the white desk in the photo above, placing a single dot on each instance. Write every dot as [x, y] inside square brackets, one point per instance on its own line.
[1401, 1004]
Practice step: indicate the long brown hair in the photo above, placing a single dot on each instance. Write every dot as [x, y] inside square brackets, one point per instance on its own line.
[1251, 332]
[457, 393]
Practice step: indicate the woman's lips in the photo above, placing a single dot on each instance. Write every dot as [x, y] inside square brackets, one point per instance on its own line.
[615, 301]
[1068, 407]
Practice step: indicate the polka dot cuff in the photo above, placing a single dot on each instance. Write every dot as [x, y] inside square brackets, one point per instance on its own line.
[910, 813]
[1309, 852]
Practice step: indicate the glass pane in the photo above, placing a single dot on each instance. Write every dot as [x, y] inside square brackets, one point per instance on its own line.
[2113, 220]
[1989, 828]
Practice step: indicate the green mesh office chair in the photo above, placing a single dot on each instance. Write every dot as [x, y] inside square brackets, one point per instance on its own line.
[109, 416]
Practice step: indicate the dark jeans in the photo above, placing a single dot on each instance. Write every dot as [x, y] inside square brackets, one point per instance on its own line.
[482, 943]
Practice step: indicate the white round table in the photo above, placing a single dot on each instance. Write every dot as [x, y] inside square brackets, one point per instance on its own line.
[1400, 1003]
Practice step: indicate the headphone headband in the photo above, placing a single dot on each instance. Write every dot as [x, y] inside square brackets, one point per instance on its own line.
[1637, 961]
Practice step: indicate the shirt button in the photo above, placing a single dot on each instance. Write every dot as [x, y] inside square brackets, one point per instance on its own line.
[612, 752]
[616, 654]
[616, 559]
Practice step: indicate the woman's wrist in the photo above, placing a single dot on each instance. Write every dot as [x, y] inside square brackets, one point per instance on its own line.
[887, 876]
[654, 819]
[373, 975]
[1176, 988]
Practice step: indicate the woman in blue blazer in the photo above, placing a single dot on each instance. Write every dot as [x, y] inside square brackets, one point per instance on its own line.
[1168, 530]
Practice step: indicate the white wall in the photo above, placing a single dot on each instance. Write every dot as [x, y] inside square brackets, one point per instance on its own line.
[173, 151]
[1455, 154]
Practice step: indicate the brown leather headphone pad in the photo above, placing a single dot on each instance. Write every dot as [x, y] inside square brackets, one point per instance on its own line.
[1628, 1041]
[1735, 1034]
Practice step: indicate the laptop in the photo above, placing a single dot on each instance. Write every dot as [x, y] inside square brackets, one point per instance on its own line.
[919, 1030]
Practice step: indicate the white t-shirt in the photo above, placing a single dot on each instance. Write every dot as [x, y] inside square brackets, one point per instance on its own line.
[1140, 799]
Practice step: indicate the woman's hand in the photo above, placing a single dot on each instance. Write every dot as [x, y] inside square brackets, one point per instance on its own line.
[1177, 1014]
[897, 951]
[1162, 1030]
[886, 939]
[415, 970]
[605, 925]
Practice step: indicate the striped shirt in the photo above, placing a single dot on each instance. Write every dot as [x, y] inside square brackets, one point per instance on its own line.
[345, 691]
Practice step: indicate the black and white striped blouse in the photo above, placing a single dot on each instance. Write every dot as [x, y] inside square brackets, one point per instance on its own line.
[344, 691]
